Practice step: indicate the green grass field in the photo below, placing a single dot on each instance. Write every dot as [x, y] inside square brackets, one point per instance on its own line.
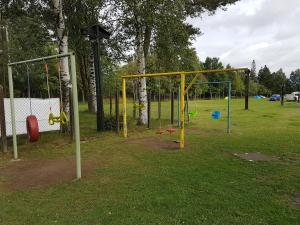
[134, 184]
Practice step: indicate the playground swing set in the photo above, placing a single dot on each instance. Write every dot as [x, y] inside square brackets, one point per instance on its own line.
[181, 96]
[31, 120]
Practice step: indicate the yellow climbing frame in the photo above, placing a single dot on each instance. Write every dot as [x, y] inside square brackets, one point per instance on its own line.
[184, 90]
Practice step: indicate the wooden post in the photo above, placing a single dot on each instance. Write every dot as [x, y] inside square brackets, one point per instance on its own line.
[247, 84]
[117, 111]
[2, 121]
[172, 107]
[149, 109]
[282, 95]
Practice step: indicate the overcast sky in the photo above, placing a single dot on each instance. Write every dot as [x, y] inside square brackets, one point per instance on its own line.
[265, 30]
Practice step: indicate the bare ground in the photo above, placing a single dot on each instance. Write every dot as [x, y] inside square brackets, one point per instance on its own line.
[154, 143]
[255, 156]
[26, 174]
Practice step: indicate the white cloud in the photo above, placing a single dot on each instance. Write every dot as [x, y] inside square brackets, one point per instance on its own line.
[265, 30]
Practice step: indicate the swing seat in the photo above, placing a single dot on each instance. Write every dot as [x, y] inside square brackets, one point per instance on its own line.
[62, 119]
[160, 131]
[32, 128]
[216, 115]
[171, 130]
[193, 114]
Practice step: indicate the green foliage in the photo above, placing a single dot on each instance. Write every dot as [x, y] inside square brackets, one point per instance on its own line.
[295, 79]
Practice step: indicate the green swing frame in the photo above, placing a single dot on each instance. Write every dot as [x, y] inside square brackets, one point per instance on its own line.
[71, 56]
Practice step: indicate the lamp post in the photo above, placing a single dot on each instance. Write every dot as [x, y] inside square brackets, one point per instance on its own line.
[95, 34]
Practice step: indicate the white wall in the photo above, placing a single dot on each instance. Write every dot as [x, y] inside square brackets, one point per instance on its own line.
[40, 108]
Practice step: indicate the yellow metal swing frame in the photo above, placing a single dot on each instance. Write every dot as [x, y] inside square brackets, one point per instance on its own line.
[184, 90]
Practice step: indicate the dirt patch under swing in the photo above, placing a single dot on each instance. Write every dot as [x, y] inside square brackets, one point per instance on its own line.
[255, 156]
[21, 175]
[155, 143]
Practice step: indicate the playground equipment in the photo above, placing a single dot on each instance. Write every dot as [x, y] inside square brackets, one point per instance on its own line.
[217, 114]
[31, 120]
[183, 91]
[71, 56]
[62, 118]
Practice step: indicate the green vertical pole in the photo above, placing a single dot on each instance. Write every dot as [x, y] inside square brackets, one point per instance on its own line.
[12, 112]
[76, 115]
[228, 112]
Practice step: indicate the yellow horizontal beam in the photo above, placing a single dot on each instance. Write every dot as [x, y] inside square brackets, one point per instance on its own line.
[184, 73]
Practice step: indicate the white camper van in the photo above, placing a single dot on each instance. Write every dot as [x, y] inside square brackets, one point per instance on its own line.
[293, 96]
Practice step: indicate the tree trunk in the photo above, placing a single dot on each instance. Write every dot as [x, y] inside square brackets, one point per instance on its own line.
[142, 86]
[64, 63]
[83, 75]
[92, 86]
[134, 100]
[110, 103]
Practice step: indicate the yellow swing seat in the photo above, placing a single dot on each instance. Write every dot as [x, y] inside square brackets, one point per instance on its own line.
[63, 119]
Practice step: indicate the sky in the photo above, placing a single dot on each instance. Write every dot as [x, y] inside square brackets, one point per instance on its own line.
[267, 31]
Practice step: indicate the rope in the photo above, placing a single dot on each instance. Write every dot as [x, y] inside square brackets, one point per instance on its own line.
[48, 87]
[60, 86]
[29, 89]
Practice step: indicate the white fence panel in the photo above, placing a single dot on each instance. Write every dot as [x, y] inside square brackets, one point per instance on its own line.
[40, 108]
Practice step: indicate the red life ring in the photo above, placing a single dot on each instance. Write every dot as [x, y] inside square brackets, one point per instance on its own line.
[32, 128]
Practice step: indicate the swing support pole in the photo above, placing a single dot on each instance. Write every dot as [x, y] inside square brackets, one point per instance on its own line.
[76, 114]
[124, 107]
[182, 93]
[13, 112]
[70, 55]
[228, 107]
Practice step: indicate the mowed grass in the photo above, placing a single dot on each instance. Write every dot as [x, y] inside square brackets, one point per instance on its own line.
[204, 184]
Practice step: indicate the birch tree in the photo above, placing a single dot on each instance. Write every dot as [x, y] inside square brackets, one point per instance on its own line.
[62, 38]
[142, 21]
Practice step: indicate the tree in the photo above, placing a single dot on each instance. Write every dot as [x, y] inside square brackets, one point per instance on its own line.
[238, 85]
[148, 21]
[279, 80]
[62, 39]
[253, 71]
[295, 79]
[265, 77]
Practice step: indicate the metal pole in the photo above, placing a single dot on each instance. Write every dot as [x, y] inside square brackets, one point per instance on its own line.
[12, 112]
[76, 115]
[178, 106]
[159, 102]
[117, 107]
[185, 73]
[172, 107]
[182, 86]
[228, 112]
[124, 107]
[247, 90]
[149, 109]
[40, 59]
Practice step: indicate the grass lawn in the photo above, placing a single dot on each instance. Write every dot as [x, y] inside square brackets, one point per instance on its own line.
[135, 184]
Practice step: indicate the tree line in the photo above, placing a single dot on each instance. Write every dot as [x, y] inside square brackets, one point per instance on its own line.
[147, 36]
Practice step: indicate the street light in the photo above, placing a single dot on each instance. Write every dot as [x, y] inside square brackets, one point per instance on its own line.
[95, 34]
